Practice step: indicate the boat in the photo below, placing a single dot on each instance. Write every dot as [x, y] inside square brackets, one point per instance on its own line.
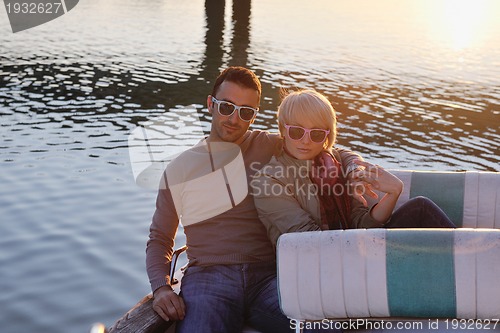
[469, 256]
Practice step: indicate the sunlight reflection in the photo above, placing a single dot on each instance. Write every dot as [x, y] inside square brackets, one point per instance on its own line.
[459, 24]
[462, 22]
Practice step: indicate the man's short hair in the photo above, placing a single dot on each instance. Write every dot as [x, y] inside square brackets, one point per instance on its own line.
[239, 75]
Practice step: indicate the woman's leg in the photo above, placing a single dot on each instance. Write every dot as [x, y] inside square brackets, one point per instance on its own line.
[419, 212]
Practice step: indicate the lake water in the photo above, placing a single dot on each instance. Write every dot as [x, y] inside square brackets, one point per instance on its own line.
[415, 83]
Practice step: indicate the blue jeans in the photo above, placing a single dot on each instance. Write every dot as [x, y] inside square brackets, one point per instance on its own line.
[419, 212]
[223, 298]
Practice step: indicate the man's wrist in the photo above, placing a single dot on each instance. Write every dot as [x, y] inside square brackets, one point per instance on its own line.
[166, 287]
[159, 283]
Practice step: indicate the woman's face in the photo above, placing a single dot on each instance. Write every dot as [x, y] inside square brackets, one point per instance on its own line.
[304, 148]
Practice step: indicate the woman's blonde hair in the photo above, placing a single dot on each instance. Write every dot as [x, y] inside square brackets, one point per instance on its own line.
[310, 104]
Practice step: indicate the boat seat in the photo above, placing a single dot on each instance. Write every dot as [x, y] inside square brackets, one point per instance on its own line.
[471, 199]
[377, 273]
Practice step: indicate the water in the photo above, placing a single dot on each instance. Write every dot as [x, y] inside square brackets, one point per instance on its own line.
[415, 85]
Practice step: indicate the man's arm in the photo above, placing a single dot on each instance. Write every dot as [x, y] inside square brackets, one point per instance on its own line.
[159, 250]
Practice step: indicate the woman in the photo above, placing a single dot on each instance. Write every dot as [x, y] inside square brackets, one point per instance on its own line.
[305, 188]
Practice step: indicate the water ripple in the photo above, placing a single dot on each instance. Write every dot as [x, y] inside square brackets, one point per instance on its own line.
[73, 221]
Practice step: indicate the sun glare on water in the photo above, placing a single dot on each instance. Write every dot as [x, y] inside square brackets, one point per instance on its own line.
[460, 24]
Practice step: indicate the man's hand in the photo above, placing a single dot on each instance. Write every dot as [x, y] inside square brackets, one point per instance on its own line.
[168, 304]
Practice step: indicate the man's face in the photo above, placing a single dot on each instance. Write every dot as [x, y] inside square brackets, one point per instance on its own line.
[231, 128]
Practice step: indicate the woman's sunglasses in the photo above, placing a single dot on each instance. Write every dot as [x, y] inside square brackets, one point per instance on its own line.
[225, 108]
[315, 134]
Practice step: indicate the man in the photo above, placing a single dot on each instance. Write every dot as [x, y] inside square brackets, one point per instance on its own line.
[231, 278]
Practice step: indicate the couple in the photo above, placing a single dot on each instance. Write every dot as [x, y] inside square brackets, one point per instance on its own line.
[231, 277]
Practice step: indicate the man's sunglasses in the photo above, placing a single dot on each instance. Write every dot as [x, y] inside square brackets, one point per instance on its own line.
[315, 134]
[225, 108]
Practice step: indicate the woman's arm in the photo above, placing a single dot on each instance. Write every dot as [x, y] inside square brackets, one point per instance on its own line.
[278, 208]
[351, 170]
[348, 159]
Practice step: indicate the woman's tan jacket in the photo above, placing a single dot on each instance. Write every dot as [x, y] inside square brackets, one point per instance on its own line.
[287, 200]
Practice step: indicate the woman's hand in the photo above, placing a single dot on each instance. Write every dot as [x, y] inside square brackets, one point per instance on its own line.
[358, 187]
[379, 178]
